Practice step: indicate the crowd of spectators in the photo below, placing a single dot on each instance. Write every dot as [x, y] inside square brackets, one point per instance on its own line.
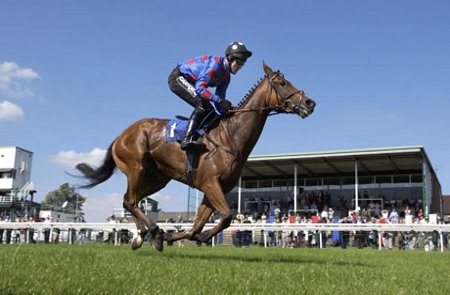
[315, 203]
[314, 207]
[18, 236]
[54, 235]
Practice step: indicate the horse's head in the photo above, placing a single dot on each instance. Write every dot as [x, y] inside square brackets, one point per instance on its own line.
[285, 97]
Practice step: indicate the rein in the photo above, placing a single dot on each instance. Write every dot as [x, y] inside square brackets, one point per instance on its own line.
[227, 149]
[279, 108]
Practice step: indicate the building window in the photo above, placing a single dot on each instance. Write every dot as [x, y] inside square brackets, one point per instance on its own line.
[279, 183]
[401, 178]
[365, 180]
[265, 183]
[5, 175]
[348, 180]
[313, 182]
[331, 181]
[383, 179]
[250, 184]
[416, 178]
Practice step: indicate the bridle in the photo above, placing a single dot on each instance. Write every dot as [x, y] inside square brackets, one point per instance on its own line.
[288, 104]
[284, 105]
[283, 102]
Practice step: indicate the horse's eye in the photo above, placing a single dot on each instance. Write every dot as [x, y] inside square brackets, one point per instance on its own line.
[283, 83]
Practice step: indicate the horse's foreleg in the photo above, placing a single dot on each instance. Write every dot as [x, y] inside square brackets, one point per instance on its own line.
[225, 221]
[203, 213]
[217, 200]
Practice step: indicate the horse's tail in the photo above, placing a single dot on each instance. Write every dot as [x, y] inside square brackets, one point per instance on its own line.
[99, 174]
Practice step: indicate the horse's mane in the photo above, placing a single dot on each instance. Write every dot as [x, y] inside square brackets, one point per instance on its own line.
[249, 93]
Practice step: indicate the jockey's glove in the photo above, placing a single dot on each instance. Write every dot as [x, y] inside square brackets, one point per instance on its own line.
[225, 104]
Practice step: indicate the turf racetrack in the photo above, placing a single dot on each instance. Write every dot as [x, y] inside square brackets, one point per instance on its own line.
[105, 269]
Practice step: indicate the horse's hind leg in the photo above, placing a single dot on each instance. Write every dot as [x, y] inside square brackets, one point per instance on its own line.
[137, 190]
[141, 228]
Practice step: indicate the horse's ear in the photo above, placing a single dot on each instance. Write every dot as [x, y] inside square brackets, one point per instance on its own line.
[267, 70]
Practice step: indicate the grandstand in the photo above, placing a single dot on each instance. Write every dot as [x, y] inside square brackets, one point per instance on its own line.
[346, 179]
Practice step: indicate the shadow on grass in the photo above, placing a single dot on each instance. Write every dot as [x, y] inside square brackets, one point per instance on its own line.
[259, 257]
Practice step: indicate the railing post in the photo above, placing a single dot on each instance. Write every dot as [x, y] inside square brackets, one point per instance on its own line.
[265, 237]
[379, 238]
[320, 239]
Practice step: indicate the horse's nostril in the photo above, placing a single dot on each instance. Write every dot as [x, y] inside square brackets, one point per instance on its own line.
[310, 103]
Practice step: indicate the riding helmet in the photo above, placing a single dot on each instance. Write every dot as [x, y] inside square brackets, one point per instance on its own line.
[238, 50]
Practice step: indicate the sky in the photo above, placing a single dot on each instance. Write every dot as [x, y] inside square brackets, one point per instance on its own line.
[75, 74]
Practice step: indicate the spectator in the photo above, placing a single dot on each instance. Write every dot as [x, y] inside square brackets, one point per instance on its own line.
[360, 236]
[247, 234]
[324, 215]
[56, 231]
[407, 211]
[112, 234]
[21, 233]
[277, 211]
[420, 214]
[1, 230]
[345, 235]
[47, 230]
[284, 232]
[272, 233]
[82, 237]
[8, 231]
[330, 214]
[393, 216]
[237, 237]
[373, 235]
[32, 233]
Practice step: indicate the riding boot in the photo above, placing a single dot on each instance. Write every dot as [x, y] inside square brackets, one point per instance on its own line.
[194, 121]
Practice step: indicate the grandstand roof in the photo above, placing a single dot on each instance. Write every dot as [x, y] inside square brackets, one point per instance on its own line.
[372, 161]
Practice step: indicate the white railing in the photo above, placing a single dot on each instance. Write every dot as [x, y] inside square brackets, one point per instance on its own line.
[265, 227]
[237, 226]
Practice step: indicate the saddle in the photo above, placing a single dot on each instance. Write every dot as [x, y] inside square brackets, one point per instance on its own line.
[176, 130]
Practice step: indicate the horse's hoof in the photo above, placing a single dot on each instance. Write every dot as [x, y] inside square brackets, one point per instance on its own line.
[203, 237]
[168, 237]
[137, 243]
[158, 240]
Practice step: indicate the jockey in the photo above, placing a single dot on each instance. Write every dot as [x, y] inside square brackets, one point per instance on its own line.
[190, 81]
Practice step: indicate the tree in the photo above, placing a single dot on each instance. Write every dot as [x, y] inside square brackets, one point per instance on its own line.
[65, 193]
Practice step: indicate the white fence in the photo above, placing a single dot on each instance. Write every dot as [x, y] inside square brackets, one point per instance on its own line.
[265, 227]
[236, 226]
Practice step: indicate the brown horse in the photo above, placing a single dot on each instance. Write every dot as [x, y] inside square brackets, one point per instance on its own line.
[149, 163]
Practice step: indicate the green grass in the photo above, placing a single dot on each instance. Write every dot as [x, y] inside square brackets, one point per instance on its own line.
[105, 269]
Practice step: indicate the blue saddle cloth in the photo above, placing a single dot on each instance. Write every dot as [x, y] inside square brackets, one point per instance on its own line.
[176, 129]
